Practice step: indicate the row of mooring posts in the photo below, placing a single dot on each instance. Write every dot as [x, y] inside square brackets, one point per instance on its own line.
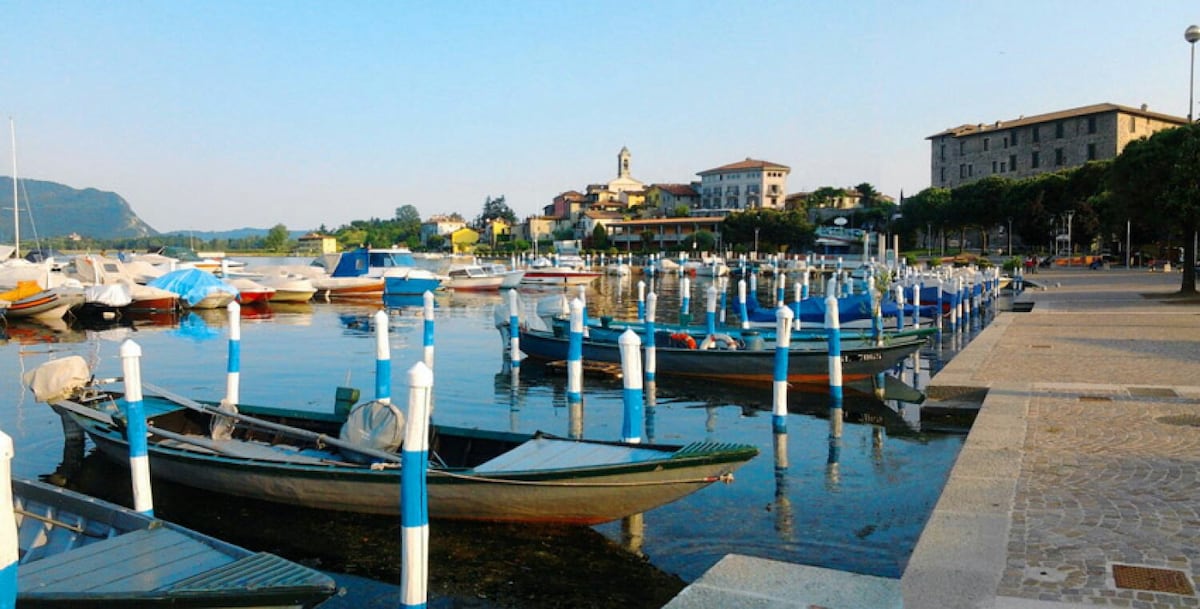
[414, 511]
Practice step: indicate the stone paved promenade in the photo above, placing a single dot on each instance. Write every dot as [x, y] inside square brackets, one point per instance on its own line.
[1079, 484]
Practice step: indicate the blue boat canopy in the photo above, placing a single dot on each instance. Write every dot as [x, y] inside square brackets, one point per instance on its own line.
[192, 285]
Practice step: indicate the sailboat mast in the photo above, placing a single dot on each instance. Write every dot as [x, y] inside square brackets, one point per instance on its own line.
[16, 214]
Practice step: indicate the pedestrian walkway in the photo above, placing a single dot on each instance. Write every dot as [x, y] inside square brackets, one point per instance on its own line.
[1079, 483]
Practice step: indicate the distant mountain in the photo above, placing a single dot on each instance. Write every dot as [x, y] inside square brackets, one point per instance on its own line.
[49, 209]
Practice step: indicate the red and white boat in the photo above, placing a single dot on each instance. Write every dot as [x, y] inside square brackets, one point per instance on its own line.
[251, 292]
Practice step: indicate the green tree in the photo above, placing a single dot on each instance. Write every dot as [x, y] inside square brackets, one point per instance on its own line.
[1157, 181]
[493, 209]
[599, 237]
[277, 238]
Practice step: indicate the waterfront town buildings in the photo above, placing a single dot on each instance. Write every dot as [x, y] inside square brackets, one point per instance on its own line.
[1027, 146]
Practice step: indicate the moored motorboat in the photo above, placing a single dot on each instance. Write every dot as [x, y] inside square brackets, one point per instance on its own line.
[288, 287]
[251, 292]
[197, 289]
[472, 277]
[29, 299]
[395, 266]
[79, 551]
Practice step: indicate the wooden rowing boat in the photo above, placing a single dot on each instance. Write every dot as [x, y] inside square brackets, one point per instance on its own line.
[297, 457]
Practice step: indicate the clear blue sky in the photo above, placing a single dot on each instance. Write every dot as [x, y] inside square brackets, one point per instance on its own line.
[214, 115]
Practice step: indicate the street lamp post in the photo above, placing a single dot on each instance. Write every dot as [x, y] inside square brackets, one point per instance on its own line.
[1070, 246]
[756, 243]
[1192, 34]
[1010, 252]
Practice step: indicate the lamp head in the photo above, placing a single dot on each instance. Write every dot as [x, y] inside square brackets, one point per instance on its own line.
[1192, 34]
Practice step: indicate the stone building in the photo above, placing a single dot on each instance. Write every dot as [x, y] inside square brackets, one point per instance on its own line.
[748, 184]
[1027, 146]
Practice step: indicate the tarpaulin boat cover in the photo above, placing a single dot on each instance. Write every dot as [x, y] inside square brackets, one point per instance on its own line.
[192, 285]
[110, 295]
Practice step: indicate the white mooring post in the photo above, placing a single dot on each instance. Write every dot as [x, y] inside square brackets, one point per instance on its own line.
[783, 341]
[833, 328]
[414, 499]
[383, 359]
[234, 360]
[428, 329]
[135, 428]
[631, 368]
[10, 551]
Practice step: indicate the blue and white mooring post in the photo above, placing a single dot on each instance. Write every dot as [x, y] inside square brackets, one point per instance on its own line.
[876, 316]
[641, 302]
[651, 353]
[780, 288]
[414, 497]
[724, 283]
[833, 328]
[575, 353]
[135, 428]
[710, 309]
[742, 304]
[783, 341]
[383, 359]
[10, 552]
[685, 300]
[899, 307]
[631, 369]
[428, 327]
[514, 328]
[234, 360]
[916, 305]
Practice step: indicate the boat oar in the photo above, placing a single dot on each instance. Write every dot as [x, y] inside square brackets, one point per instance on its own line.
[96, 415]
[319, 438]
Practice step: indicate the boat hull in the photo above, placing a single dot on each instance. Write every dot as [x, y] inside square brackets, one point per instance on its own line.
[805, 364]
[558, 277]
[408, 286]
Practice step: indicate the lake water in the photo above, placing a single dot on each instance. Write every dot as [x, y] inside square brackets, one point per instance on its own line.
[857, 502]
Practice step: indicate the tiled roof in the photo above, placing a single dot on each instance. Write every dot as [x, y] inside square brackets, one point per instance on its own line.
[746, 164]
[679, 190]
[688, 220]
[1053, 116]
[603, 215]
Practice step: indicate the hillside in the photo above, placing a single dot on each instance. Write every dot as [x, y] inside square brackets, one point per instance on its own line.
[55, 210]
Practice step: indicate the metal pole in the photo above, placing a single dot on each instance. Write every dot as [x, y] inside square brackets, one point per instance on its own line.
[1191, 34]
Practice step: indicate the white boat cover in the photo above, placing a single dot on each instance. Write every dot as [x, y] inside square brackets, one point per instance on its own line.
[111, 295]
[58, 379]
[376, 425]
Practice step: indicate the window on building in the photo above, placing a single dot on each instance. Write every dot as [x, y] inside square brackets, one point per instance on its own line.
[993, 166]
[1006, 141]
[962, 146]
[970, 169]
[943, 175]
[987, 141]
[942, 153]
[1058, 129]
[1091, 124]
[1091, 152]
[1003, 167]
[1036, 137]
[1035, 160]
[1012, 162]
[1012, 138]
[1133, 124]
[962, 171]
[1059, 157]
